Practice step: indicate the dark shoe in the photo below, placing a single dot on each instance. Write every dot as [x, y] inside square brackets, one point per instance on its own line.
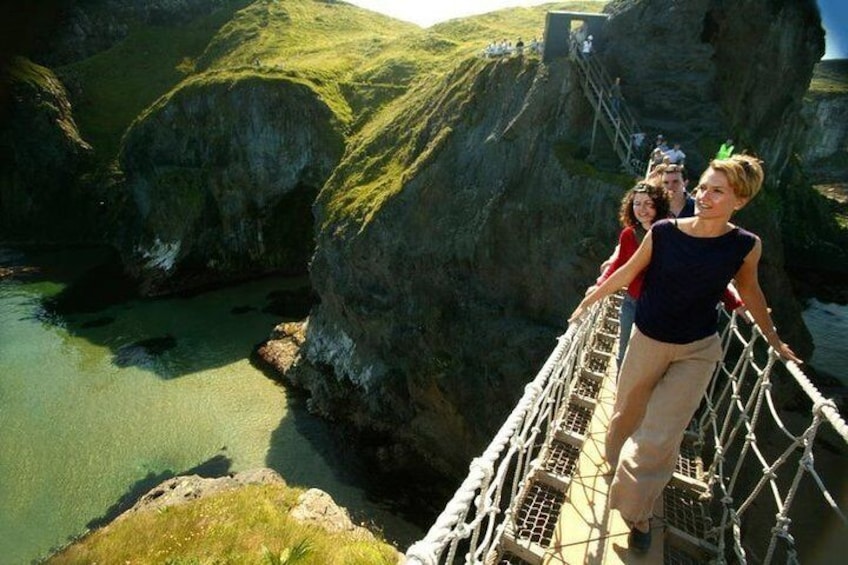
[639, 541]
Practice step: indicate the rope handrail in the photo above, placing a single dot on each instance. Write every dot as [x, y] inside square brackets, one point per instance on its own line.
[741, 399]
[740, 472]
[452, 526]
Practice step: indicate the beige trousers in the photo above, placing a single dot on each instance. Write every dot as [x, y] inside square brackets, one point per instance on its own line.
[659, 388]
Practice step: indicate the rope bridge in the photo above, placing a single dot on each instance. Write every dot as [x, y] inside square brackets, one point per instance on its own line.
[726, 482]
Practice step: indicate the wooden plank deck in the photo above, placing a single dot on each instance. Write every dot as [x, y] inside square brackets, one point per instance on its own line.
[587, 531]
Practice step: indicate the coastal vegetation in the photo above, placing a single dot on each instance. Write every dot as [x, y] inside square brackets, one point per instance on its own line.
[355, 59]
[247, 526]
[830, 77]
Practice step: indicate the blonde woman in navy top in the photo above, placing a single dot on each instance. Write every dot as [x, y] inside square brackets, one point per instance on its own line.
[675, 345]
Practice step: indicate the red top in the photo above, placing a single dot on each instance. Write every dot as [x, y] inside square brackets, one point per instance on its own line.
[627, 246]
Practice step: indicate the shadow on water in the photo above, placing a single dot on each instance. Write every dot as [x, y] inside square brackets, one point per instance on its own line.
[407, 504]
[168, 336]
[217, 466]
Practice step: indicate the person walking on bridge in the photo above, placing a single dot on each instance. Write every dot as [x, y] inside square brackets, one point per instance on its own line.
[675, 346]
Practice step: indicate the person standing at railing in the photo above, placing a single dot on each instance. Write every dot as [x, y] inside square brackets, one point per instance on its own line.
[676, 155]
[586, 49]
[616, 98]
[675, 346]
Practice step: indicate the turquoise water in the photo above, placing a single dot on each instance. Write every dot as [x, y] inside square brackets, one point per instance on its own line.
[828, 323]
[96, 408]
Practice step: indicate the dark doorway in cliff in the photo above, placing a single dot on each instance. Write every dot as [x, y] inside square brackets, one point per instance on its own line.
[289, 230]
[711, 27]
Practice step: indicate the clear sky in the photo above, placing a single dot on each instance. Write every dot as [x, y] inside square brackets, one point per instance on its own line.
[427, 12]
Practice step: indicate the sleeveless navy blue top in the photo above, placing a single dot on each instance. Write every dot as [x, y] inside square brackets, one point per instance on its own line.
[685, 280]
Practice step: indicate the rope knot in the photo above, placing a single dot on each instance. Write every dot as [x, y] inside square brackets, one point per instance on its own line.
[807, 461]
[483, 466]
[818, 406]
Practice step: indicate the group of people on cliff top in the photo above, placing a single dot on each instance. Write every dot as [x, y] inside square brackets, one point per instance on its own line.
[503, 48]
[678, 256]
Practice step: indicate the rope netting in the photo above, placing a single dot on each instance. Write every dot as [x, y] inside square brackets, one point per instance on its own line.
[471, 525]
[759, 456]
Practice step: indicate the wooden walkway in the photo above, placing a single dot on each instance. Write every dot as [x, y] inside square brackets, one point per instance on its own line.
[587, 531]
[564, 517]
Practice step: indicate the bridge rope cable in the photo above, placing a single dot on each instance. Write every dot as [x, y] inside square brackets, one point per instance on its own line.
[740, 474]
[511, 453]
[732, 417]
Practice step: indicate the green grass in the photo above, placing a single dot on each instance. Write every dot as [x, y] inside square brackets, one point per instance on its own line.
[357, 61]
[246, 526]
[379, 76]
[830, 77]
[119, 83]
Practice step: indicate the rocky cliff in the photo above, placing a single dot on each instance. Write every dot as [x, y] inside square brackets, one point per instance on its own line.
[220, 180]
[42, 197]
[443, 290]
[701, 71]
[825, 112]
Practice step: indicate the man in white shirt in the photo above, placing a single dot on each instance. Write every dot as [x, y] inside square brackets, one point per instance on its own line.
[676, 156]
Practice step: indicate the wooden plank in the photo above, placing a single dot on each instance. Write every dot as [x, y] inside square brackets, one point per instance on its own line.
[588, 532]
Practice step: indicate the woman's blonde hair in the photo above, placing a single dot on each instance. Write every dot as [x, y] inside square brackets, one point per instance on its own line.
[744, 174]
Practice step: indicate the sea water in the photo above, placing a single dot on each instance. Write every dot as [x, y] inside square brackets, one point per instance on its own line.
[828, 324]
[98, 407]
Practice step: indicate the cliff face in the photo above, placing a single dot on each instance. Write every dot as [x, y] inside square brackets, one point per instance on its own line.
[436, 310]
[704, 70]
[41, 196]
[827, 134]
[220, 179]
[444, 295]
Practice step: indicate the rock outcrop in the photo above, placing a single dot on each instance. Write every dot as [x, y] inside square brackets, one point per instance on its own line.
[825, 145]
[185, 488]
[220, 180]
[42, 197]
[444, 292]
[703, 70]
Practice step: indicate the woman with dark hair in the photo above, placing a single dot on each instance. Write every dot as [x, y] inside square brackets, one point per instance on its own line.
[675, 346]
[641, 206]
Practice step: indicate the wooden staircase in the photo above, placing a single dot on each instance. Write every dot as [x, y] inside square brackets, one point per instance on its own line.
[620, 125]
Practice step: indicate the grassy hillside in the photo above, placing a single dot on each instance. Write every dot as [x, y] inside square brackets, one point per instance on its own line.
[117, 84]
[830, 77]
[356, 60]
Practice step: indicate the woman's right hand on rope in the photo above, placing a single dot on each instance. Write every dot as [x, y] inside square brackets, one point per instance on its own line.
[783, 349]
[579, 311]
[581, 308]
